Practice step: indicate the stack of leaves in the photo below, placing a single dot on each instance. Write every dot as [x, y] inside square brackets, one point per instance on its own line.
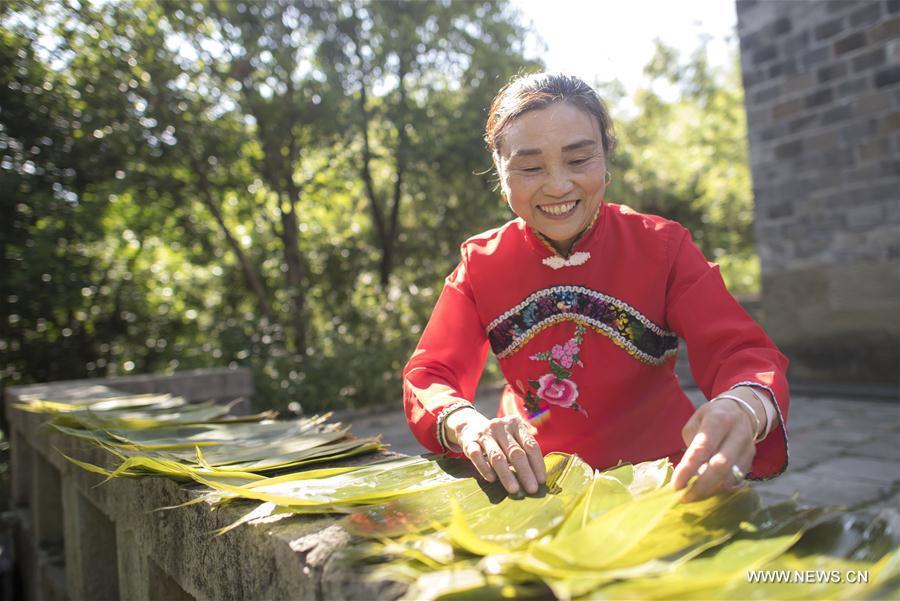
[428, 522]
[164, 435]
[622, 534]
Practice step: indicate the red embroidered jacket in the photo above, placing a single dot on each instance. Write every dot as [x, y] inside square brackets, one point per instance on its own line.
[587, 344]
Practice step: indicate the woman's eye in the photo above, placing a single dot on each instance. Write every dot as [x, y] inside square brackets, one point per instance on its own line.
[579, 161]
[530, 169]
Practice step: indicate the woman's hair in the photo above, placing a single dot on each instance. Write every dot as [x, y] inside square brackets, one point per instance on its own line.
[540, 90]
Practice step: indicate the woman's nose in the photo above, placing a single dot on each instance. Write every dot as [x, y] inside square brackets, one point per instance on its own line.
[558, 183]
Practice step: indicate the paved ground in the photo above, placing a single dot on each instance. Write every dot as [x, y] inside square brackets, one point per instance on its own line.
[844, 449]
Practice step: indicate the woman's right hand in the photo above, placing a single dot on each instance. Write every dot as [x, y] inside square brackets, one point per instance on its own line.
[503, 447]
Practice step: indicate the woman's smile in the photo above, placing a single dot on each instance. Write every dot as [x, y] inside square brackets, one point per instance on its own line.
[560, 210]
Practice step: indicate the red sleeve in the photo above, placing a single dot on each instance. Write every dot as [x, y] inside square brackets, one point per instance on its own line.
[726, 347]
[447, 363]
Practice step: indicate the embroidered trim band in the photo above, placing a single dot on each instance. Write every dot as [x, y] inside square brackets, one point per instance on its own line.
[616, 319]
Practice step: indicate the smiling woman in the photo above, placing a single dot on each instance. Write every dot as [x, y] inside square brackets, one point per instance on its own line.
[583, 303]
[552, 176]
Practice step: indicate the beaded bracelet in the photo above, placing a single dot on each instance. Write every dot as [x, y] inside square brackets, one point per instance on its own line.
[442, 418]
[744, 405]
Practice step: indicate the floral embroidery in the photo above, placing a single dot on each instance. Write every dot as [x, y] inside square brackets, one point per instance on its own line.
[556, 388]
[616, 319]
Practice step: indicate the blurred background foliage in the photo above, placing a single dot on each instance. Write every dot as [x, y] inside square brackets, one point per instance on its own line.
[284, 185]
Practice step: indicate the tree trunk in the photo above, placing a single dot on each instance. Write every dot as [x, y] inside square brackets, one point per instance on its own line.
[254, 282]
[296, 268]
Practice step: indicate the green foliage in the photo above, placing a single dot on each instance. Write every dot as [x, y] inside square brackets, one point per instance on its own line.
[684, 156]
[282, 185]
[285, 185]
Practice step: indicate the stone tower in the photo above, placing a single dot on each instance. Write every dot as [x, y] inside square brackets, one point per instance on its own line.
[822, 89]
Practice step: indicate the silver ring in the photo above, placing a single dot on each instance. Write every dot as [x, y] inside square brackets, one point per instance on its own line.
[738, 474]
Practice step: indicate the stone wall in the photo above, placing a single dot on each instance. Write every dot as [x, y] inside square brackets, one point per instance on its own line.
[822, 84]
[77, 540]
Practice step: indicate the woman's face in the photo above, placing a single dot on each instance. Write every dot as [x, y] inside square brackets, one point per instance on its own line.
[552, 170]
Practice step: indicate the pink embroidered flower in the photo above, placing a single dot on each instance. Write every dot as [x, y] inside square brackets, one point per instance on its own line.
[564, 354]
[557, 391]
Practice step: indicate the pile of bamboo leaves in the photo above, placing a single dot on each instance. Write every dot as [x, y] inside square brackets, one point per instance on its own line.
[619, 534]
[623, 534]
[165, 435]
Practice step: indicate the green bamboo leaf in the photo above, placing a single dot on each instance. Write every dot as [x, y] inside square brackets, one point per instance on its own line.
[606, 539]
[604, 493]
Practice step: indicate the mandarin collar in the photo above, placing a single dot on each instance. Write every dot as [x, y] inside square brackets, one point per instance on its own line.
[543, 247]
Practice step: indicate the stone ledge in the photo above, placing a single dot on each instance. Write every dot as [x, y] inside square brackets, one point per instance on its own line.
[117, 545]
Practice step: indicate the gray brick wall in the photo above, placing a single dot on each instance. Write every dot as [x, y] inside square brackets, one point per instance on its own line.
[822, 92]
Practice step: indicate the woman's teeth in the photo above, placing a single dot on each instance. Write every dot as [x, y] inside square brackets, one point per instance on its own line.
[559, 209]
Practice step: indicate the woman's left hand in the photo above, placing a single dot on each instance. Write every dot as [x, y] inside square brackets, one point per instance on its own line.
[719, 435]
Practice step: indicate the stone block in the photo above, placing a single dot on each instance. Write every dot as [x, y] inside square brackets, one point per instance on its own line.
[893, 51]
[798, 84]
[887, 77]
[790, 149]
[829, 29]
[135, 581]
[886, 30]
[837, 114]
[869, 60]
[885, 447]
[840, 491]
[866, 15]
[787, 108]
[850, 42]
[804, 455]
[831, 71]
[858, 468]
[801, 124]
[753, 78]
[162, 587]
[853, 86]
[781, 68]
[890, 168]
[767, 94]
[765, 54]
[815, 56]
[90, 545]
[797, 42]
[818, 98]
[46, 506]
[875, 150]
[21, 458]
[772, 133]
[842, 6]
[872, 102]
[781, 26]
[858, 131]
[779, 211]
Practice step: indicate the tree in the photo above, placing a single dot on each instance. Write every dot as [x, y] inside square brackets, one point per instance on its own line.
[223, 207]
[684, 156]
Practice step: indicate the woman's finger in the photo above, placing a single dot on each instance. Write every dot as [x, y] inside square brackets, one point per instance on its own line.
[524, 434]
[705, 443]
[472, 449]
[719, 474]
[744, 463]
[497, 458]
[517, 457]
